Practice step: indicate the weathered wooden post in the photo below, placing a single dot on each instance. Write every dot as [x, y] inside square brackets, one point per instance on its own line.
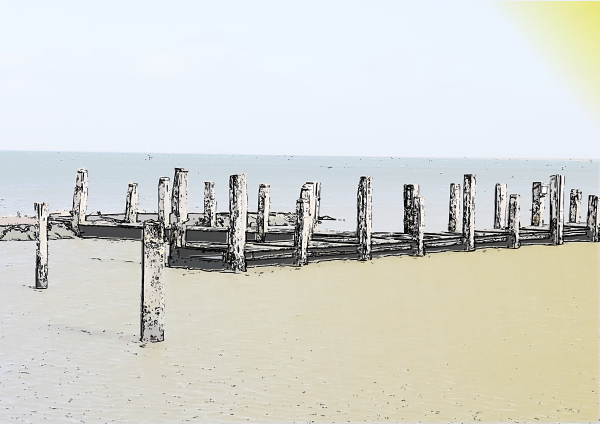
[152, 318]
[468, 229]
[262, 216]
[410, 192]
[454, 209]
[317, 203]
[164, 200]
[364, 218]
[178, 216]
[538, 192]
[302, 231]
[514, 221]
[557, 212]
[238, 220]
[41, 253]
[592, 218]
[210, 204]
[500, 206]
[80, 195]
[308, 192]
[575, 206]
[131, 204]
[419, 230]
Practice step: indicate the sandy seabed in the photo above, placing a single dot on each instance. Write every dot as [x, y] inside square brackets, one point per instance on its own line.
[491, 335]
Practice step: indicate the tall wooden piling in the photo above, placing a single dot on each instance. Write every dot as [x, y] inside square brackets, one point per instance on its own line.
[557, 212]
[468, 227]
[238, 216]
[80, 195]
[514, 221]
[500, 206]
[41, 252]
[538, 192]
[410, 192]
[308, 192]
[454, 209]
[419, 230]
[317, 203]
[210, 204]
[152, 317]
[302, 231]
[131, 204]
[179, 206]
[592, 218]
[262, 216]
[364, 218]
[164, 200]
[575, 206]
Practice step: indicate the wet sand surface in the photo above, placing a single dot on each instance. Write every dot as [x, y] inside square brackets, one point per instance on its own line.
[494, 335]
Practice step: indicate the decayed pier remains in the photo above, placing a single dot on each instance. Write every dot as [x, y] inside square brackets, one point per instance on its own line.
[239, 238]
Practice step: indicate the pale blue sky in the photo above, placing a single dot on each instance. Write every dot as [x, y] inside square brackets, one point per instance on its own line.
[382, 78]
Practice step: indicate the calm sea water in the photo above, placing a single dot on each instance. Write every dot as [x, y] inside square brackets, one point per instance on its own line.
[29, 177]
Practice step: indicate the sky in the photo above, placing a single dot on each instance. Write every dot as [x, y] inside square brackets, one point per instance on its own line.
[333, 77]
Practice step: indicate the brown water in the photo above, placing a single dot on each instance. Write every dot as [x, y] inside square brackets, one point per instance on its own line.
[496, 335]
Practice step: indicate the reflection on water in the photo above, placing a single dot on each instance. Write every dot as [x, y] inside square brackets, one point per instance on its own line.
[496, 335]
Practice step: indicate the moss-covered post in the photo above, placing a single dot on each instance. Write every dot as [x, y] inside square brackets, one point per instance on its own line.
[238, 221]
[317, 211]
[131, 204]
[514, 221]
[575, 206]
[500, 206]
[557, 205]
[537, 203]
[410, 192]
[364, 206]
[419, 222]
[454, 208]
[593, 218]
[164, 200]
[41, 252]
[302, 231]
[210, 204]
[262, 215]
[179, 212]
[80, 196]
[468, 231]
[152, 318]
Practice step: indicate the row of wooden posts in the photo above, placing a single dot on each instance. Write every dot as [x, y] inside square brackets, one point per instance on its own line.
[154, 234]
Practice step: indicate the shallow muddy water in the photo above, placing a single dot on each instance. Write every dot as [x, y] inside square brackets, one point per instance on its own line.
[493, 335]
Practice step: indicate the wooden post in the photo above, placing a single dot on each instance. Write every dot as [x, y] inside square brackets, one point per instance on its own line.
[262, 216]
[131, 204]
[514, 221]
[537, 203]
[152, 318]
[317, 203]
[164, 200]
[179, 204]
[575, 206]
[80, 195]
[210, 204]
[410, 192]
[454, 213]
[557, 212]
[302, 232]
[364, 218]
[500, 207]
[468, 229]
[592, 218]
[308, 192]
[419, 231]
[238, 220]
[41, 253]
